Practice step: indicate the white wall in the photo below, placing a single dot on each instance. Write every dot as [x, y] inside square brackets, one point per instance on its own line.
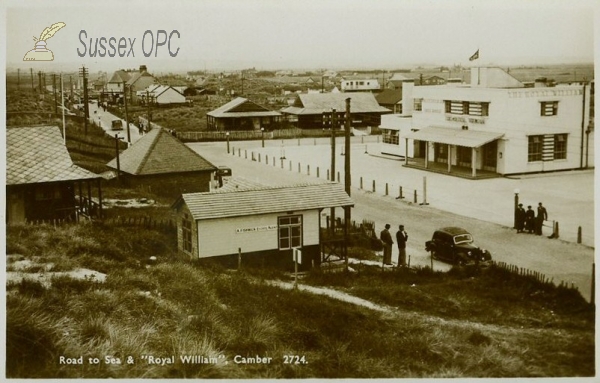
[397, 122]
[170, 96]
[219, 237]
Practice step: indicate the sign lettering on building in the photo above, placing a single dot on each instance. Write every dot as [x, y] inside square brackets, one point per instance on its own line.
[457, 119]
[255, 229]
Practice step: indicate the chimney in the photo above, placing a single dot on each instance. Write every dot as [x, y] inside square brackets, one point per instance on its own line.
[143, 68]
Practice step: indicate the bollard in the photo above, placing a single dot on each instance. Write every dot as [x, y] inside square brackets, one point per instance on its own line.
[328, 178]
[362, 139]
[386, 189]
[266, 159]
[245, 154]
[239, 258]
[290, 166]
[361, 183]
[317, 172]
[338, 178]
[308, 169]
[373, 186]
[415, 196]
[555, 233]
[400, 192]
[299, 171]
[239, 152]
[259, 160]
[233, 151]
[273, 160]
[579, 234]
[282, 163]
[366, 151]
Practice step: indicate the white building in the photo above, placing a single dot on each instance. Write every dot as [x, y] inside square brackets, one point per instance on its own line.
[161, 95]
[495, 125]
[360, 85]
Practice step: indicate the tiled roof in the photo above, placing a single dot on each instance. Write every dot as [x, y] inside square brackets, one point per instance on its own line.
[389, 96]
[158, 152]
[317, 103]
[266, 200]
[119, 76]
[38, 154]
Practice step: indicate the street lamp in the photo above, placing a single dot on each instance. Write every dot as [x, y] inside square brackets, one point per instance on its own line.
[262, 132]
[227, 135]
[516, 206]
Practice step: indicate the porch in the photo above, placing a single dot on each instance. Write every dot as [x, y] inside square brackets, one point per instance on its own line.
[455, 170]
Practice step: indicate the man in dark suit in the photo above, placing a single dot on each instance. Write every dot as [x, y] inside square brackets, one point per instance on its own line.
[542, 215]
[520, 218]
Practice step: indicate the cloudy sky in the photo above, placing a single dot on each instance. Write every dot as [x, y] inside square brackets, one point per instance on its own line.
[269, 34]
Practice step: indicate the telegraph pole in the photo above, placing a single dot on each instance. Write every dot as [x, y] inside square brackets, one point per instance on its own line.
[32, 87]
[86, 109]
[347, 179]
[149, 112]
[54, 90]
[333, 126]
[19, 79]
[126, 114]
[40, 82]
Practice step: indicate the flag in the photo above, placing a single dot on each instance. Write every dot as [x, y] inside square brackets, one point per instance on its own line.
[475, 56]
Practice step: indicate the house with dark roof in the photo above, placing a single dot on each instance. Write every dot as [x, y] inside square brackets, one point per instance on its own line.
[160, 163]
[307, 111]
[257, 223]
[390, 99]
[42, 182]
[139, 80]
[241, 114]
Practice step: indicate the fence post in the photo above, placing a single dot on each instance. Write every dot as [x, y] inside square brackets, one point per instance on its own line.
[245, 154]
[361, 183]
[308, 169]
[290, 166]
[233, 151]
[328, 174]
[338, 177]
[266, 159]
[415, 196]
[239, 258]
[259, 159]
[239, 152]
[400, 196]
[299, 170]
[424, 191]
[373, 186]
[317, 172]
[579, 234]
[555, 232]
[386, 189]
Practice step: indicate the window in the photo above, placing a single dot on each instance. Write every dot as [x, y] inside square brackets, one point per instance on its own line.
[290, 232]
[535, 148]
[186, 225]
[418, 105]
[391, 136]
[560, 146]
[467, 108]
[549, 108]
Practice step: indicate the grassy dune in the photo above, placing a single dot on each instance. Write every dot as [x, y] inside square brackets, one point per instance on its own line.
[438, 325]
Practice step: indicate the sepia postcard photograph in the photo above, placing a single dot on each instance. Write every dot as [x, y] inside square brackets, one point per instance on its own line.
[299, 190]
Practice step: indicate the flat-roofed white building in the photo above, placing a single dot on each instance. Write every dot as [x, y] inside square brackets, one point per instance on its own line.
[496, 126]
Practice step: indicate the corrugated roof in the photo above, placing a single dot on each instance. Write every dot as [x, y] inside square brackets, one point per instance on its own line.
[226, 110]
[239, 184]
[38, 154]
[317, 103]
[158, 152]
[266, 200]
[455, 136]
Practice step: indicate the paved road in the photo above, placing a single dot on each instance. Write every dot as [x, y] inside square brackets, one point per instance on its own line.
[98, 115]
[557, 259]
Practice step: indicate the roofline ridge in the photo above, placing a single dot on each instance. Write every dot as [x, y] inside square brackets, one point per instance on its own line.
[150, 149]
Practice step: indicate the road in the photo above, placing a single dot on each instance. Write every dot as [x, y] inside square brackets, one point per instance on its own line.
[557, 259]
[98, 115]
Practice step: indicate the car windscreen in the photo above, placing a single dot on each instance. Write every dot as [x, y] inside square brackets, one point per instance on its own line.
[462, 238]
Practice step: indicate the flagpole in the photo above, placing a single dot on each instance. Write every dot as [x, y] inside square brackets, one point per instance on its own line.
[478, 69]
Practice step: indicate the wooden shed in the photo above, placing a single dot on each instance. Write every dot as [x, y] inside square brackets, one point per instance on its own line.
[263, 223]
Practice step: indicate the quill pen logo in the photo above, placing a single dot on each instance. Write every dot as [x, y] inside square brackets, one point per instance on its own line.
[40, 52]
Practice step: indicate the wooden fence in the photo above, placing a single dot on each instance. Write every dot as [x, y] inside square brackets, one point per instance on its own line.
[532, 274]
[145, 222]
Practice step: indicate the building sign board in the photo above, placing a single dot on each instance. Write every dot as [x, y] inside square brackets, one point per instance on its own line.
[255, 229]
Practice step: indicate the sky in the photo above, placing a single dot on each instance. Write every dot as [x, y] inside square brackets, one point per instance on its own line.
[268, 34]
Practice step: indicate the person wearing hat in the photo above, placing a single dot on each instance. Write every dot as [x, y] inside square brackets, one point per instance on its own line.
[542, 215]
[401, 238]
[520, 218]
[386, 238]
[530, 220]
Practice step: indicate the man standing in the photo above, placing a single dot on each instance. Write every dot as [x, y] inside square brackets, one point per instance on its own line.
[386, 238]
[520, 218]
[401, 238]
[542, 215]
[530, 220]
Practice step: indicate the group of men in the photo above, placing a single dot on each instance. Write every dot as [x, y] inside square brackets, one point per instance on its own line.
[527, 220]
[401, 238]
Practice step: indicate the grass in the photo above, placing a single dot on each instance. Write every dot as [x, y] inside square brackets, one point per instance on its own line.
[438, 328]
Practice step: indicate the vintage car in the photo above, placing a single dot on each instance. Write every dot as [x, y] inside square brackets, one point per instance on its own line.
[116, 125]
[455, 245]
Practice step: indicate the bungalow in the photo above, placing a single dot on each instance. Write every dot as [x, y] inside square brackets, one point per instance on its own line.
[391, 99]
[42, 183]
[241, 114]
[160, 163]
[262, 223]
[308, 110]
[161, 95]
